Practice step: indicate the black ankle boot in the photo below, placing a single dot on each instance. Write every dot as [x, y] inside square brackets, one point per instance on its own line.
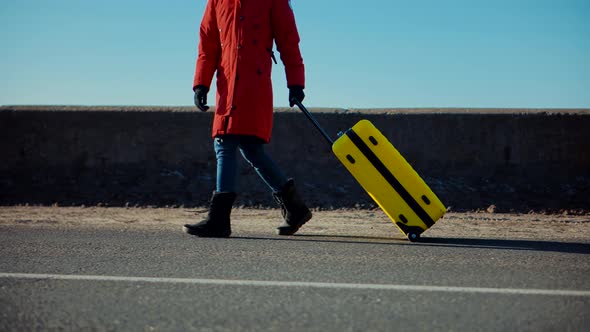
[217, 223]
[294, 211]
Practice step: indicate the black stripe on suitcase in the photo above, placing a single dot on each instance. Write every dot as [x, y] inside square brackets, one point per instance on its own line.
[393, 181]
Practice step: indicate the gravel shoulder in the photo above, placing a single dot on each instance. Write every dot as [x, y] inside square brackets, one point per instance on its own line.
[365, 224]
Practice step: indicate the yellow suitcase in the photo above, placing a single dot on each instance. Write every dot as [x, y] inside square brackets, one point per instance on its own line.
[386, 176]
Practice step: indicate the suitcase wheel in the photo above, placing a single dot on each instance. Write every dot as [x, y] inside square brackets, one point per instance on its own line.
[413, 237]
[413, 232]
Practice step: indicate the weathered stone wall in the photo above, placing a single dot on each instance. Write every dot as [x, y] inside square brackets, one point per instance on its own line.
[516, 160]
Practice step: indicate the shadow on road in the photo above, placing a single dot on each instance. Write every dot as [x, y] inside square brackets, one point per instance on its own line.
[330, 239]
[531, 245]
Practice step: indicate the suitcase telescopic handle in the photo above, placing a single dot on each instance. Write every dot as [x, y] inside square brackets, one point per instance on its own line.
[313, 120]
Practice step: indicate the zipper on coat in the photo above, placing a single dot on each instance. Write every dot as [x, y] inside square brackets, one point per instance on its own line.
[237, 55]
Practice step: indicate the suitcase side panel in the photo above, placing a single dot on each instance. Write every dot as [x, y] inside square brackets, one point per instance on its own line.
[403, 171]
[393, 202]
[374, 184]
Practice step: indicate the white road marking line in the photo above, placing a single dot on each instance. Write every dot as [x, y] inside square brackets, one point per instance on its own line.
[264, 283]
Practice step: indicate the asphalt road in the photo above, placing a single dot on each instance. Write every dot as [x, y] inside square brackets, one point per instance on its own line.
[162, 279]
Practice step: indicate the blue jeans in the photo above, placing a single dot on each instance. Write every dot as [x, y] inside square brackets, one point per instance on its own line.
[252, 150]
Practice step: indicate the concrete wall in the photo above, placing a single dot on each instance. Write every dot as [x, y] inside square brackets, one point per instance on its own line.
[516, 160]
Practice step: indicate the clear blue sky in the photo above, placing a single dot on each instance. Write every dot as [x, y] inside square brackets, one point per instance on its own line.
[378, 53]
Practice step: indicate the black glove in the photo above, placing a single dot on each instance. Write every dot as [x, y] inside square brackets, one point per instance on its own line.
[201, 97]
[296, 92]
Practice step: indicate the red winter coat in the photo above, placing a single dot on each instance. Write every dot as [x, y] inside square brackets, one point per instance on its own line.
[236, 40]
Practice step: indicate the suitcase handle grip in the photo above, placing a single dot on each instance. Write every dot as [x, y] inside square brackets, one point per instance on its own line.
[313, 120]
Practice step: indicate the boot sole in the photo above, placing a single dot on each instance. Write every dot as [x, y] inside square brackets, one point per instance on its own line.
[293, 229]
[205, 234]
